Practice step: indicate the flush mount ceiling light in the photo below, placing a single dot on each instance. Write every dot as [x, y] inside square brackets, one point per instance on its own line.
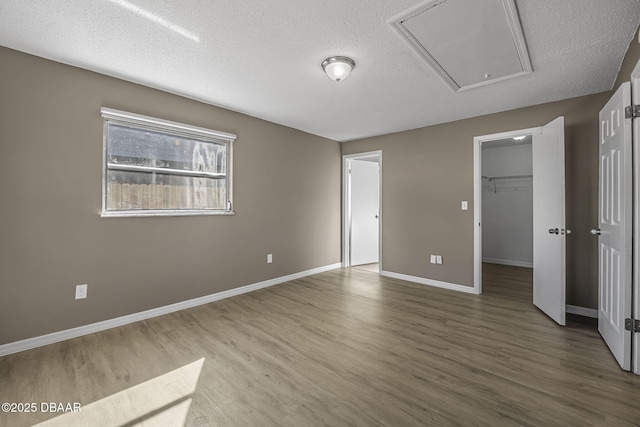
[338, 67]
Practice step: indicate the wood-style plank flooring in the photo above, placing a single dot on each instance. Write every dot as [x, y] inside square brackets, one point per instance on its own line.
[374, 267]
[346, 347]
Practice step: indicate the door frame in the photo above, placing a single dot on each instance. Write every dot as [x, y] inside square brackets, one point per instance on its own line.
[477, 196]
[346, 204]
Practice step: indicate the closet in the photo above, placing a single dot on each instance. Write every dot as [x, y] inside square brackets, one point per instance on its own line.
[507, 202]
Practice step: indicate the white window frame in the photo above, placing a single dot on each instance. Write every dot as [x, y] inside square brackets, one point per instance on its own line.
[160, 125]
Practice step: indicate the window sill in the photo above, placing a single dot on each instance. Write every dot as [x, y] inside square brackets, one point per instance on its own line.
[165, 213]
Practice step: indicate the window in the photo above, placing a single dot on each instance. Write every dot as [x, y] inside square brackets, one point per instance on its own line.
[158, 167]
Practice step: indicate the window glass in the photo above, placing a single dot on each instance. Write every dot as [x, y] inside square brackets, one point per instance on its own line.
[154, 167]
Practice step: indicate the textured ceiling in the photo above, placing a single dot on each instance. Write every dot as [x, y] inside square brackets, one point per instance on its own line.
[263, 57]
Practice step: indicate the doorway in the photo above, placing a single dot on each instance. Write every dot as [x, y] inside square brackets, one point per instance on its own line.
[507, 202]
[480, 181]
[549, 232]
[361, 238]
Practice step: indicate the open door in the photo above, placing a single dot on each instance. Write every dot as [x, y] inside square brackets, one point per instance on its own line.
[549, 233]
[635, 99]
[614, 228]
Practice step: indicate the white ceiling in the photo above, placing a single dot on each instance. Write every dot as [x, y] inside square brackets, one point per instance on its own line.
[263, 58]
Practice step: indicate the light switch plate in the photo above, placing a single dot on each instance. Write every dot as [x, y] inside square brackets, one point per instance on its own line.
[464, 205]
[438, 259]
[433, 259]
[269, 258]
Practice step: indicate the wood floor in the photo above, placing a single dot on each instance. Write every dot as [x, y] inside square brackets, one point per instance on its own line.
[374, 267]
[346, 347]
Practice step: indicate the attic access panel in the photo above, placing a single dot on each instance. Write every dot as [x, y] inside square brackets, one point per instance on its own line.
[469, 43]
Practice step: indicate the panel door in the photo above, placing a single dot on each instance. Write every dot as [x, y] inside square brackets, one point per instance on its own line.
[635, 99]
[614, 230]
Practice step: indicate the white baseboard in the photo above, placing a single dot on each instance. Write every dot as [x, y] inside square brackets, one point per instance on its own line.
[582, 311]
[429, 282]
[54, 337]
[508, 262]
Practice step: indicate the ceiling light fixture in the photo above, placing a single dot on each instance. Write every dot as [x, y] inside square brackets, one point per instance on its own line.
[338, 67]
[519, 138]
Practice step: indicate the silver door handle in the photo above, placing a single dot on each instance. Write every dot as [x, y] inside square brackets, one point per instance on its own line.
[596, 231]
[554, 231]
[563, 231]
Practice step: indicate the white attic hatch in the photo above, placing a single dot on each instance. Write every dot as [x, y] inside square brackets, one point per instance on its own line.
[469, 43]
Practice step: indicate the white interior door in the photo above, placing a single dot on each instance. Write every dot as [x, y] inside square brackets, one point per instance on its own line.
[635, 98]
[549, 285]
[614, 232]
[365, 204]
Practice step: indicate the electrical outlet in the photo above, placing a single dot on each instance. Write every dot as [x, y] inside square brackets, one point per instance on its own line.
[269, 258]
[438, 259]
[433, 259]
[81, 291]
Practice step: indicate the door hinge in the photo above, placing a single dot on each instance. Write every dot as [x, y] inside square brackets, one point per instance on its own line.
[632, 325]
[632, 112]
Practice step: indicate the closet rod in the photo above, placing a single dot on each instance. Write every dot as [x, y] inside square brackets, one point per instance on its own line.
[492, 178]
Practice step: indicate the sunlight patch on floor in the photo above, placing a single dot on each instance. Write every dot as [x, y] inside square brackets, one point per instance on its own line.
[163, 400]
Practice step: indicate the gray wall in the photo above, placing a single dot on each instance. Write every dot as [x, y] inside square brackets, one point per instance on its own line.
[428, 171]
[507, 205]
[421, 215]
[286, 194]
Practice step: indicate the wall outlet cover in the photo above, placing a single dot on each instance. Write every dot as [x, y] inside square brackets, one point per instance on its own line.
[81, 291]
